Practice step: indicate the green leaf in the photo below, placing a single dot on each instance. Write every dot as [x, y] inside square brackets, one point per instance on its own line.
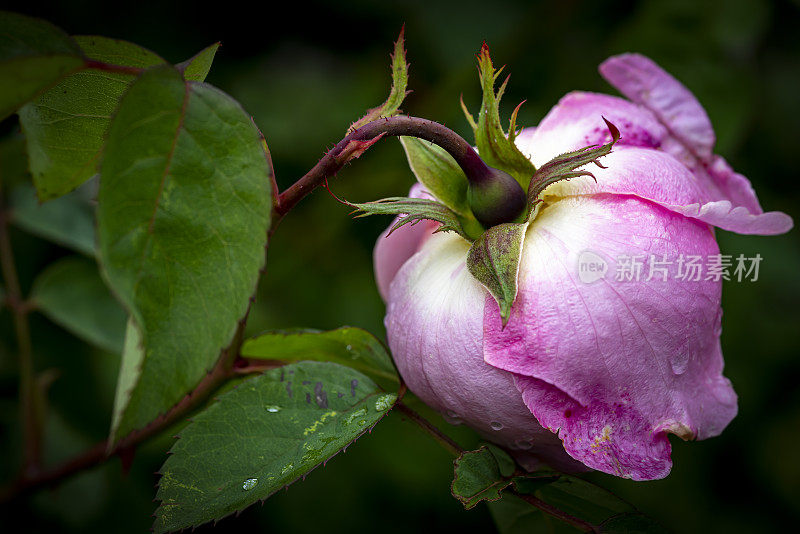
[68, 221]
[183, 214]
[197, 67]
[262, 436]
[415, 210]
[65, 127]
[439, 173]
[71, 293]
[565, 166]
[495, 147]
[494, 259]
[399, 84]
[129, 371]
[574, 496]
[481, 475]
[34, 55]
[349, 346]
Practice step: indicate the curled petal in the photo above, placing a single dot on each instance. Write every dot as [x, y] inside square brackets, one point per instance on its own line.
[660, 178]
[644, 82]
[392, 251]
[613, 365]
[649, 162]
[434, 325]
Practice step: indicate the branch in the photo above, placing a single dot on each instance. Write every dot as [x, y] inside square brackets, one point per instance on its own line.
[555, 512]
[30, 413]
[102, 452]
[354, 144]
[444, 440]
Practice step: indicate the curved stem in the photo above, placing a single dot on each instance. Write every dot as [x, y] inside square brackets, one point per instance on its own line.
[455, 145]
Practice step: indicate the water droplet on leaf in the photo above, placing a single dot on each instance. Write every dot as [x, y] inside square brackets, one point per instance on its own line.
[249, 484]
[273, 408]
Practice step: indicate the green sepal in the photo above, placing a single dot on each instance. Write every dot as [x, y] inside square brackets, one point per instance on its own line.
[438, 172]
[197, 67]
[496, 147]
[494, 260]
[415, 210]
[564, 167]
[481, 475]
[399, 84]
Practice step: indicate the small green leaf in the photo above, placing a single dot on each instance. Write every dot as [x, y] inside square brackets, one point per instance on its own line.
[494, 259]
[399, 84]
[262, 436]
[495, 147]
[71, 293]
[564, 167]
[183, 214]
[439, 173]
[197, 67]
[65, 127]
[415, 210]
[68, 220]
[34, 55]
[481, 475]
[349, 346]
[574, 496]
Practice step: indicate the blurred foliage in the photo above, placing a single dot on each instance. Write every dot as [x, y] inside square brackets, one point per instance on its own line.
[305, 72]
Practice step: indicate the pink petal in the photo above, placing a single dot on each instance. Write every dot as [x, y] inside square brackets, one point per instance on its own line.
[644, 82]
[647, 162]
[434, 326]
[392, 251]
[691, 137]
[613, 366]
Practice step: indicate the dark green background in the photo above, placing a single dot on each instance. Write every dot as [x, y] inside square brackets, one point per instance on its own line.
[305, 70]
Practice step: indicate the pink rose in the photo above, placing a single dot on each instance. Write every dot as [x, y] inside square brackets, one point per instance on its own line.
[599, 366]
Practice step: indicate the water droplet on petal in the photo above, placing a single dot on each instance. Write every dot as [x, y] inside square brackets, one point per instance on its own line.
[679, 362]
[452, 417]
[523, 444]
[249, 484]
[496, 425]
[273, 408]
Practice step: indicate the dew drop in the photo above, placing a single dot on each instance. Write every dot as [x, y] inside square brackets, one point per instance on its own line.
[249, 484]
[452, 417]
[679, 362]
[349, 347]
[384, 402]
[287, 468]
[523, 444]
[273, 408]
[496, 425]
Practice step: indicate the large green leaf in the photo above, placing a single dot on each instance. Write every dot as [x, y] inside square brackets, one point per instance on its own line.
[348, 346]
[34, 55]
[66, 125]
[71, 293]
[262, 436]
[68, 220]
[183, 214]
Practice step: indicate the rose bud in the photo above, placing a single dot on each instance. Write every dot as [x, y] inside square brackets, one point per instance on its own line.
[578, 368]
